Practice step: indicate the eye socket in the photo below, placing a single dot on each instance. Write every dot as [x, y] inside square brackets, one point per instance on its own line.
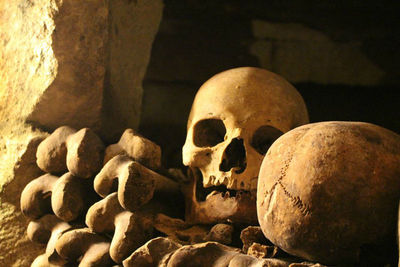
[264, 137]
[209, 132]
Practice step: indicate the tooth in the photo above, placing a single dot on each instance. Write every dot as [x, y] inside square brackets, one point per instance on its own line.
[215, 192]
[232, 184]
[206, 182]
[227, 194]
[212, 179]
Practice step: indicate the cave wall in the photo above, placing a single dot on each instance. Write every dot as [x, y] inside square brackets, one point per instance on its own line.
[342, 56]
[77, 63]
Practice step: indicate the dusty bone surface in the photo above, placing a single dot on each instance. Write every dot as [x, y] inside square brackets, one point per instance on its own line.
[250, 235]
[79, 152]
[47, 230]
[184, 233]
[151, 253]
[262, 251]
[136, 183]
[166, 252]
[348, 171]
[221, 233]
[236, 115]
[138, 148]
[67, 196]
[129, 230]
[84, 247]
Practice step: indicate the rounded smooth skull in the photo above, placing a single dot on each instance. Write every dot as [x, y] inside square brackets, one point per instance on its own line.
[235, 117]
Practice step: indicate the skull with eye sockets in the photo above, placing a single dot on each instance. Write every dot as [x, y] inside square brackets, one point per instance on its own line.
[235, 117]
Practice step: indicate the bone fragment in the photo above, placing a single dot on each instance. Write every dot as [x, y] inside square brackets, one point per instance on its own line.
[85, 153]
[221, 233]
[179, 231]
[35, 198]
[67, 196]
[164, 252]
[136, 183]
[42, 261]
[79, 152]
[213, 254]
[252, 234]
[151, 253]
[129, 230]
[52, 151]
[47, 229]
[210, 254]
[138, 148]
[262, 251]
[83, 247]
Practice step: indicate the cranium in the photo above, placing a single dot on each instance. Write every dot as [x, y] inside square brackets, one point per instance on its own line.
[235, 117]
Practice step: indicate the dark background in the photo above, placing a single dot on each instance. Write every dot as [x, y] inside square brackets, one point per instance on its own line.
[198, 39]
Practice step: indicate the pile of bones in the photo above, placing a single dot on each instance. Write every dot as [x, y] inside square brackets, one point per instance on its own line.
[262, 187]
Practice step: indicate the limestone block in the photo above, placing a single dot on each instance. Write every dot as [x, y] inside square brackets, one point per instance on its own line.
[302, 54]
[17, 167]
[76, 63]
[53, 61]
[133, 28]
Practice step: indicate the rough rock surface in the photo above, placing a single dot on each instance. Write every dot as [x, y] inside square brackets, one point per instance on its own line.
[17, 168]
[63, 63]
[75, 63]
[133, 27]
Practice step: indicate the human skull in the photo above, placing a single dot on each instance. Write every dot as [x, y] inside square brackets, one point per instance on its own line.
[329, 192]
[235, 117]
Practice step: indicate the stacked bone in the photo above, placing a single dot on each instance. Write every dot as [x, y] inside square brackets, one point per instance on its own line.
[58, 205]
[128, 182]
[124, 226]
[58, 200]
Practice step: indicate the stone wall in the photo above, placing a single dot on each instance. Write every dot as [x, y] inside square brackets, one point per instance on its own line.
[340, 55]
[77, 63]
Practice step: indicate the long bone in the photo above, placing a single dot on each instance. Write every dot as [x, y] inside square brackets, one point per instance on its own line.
[67, 196]
[136, 183]
[131, 230]
[47, 229]
[79, 152]
[138, 148]
[84, 246]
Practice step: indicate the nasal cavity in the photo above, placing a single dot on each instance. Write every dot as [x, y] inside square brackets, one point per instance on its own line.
[234, 157]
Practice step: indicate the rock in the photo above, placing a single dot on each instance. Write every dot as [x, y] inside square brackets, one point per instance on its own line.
[17, 168]
[133, 27]
[250, 235]
[76, 63]
[281, 46]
